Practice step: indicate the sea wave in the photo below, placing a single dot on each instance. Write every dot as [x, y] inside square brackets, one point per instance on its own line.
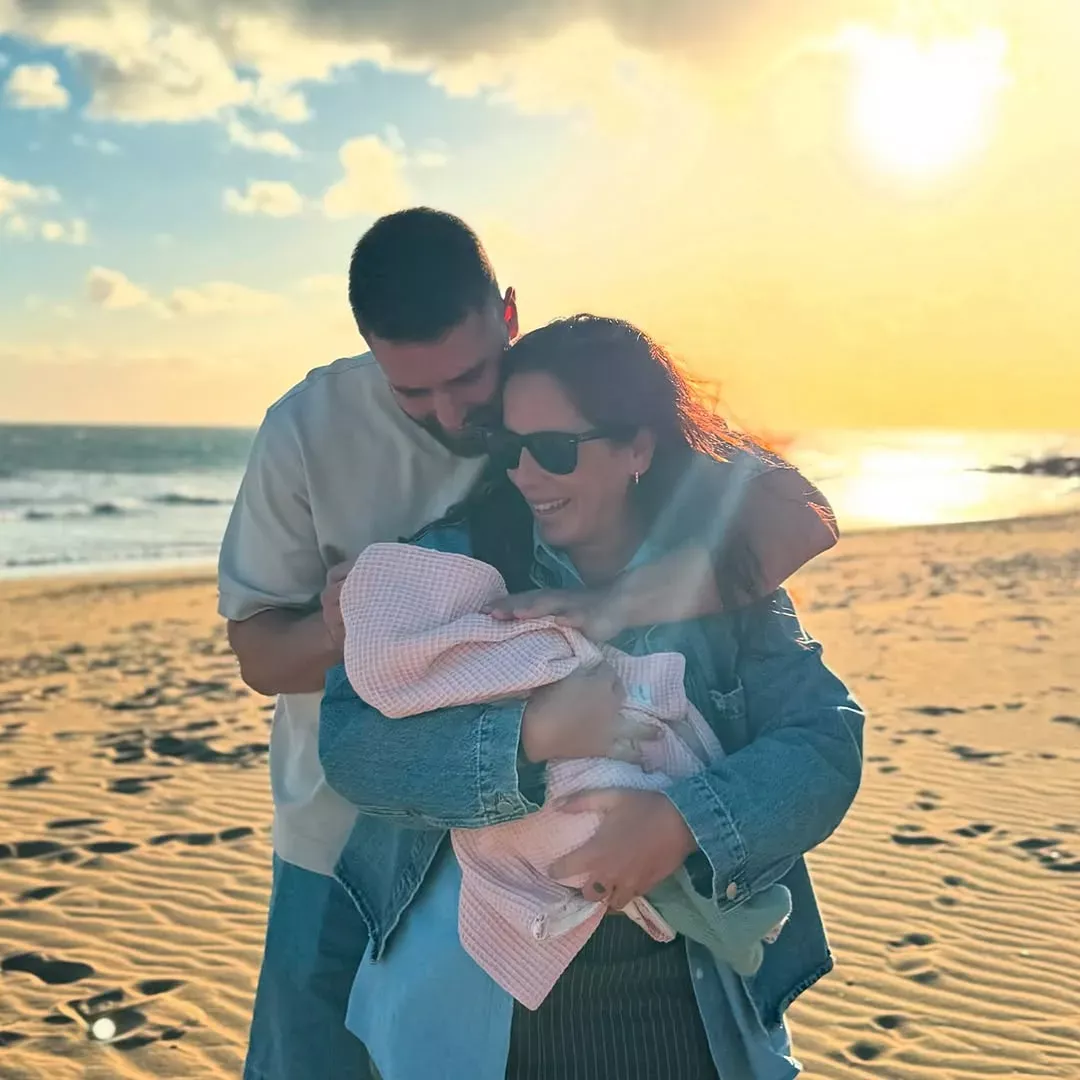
[115, 508]
[92, 510]
[179, 498]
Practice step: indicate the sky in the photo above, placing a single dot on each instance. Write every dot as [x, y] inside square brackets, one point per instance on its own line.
[851, 213]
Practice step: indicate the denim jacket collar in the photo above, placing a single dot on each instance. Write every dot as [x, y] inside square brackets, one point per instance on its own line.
[554, 569]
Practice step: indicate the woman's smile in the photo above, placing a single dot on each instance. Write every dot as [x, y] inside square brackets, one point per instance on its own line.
[547, 509]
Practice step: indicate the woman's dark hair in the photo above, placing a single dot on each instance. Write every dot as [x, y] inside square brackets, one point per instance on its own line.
[618, 377]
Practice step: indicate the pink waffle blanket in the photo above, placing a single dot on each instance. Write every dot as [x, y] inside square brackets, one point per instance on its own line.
[415, 641]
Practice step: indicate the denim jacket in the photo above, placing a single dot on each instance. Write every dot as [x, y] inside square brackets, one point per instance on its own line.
[791, 731]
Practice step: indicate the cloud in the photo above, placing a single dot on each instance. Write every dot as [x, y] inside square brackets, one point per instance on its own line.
[16, 225]
[149, 60]
[102, 146]
[374, 181]
[18, 193]
[432, 159]
[274, 198]
[267, 142]
[325, 285]
[40, 303]
[36, 86]
[223, 298]
[114, 291]
[75, 232]
[17, 219]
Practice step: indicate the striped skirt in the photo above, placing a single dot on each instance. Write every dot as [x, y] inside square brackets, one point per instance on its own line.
[624, 1010]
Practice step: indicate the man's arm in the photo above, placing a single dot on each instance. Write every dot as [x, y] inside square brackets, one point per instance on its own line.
[271, 571]
[774, 519]
[282, 652]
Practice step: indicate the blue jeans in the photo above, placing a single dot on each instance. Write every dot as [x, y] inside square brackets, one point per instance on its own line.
[315, 939]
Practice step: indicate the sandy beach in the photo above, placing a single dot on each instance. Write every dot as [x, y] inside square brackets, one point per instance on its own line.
[134, 830]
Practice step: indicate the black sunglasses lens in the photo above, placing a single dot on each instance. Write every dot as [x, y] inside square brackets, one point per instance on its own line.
[554, 452]
[551, 450]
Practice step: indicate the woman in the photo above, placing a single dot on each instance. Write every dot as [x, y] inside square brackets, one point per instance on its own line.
[600, 435]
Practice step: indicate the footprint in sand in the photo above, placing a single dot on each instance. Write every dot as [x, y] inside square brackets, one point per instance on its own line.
[937, 710]
[136, 785]
[75, 823]
[111, 847]
[10, 1038]
[203, 839]
[916, 968]
[137, 1042]
[913, 836]
[112, 1018]
[157, 987]
[45, 892]
[49, 971]
[970, 832]
[30, 849]
[41, 775]
[986, 757]
[1072, 720]
[1049, 855]
[891, 1021]
[913, 940]
[867, 1050]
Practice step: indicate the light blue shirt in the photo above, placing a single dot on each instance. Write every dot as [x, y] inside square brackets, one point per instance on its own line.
[427, 1011]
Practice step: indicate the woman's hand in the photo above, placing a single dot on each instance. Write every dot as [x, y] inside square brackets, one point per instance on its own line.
[642, 839]
[581, 717]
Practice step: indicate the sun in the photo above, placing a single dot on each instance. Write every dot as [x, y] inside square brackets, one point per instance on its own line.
[922, 107]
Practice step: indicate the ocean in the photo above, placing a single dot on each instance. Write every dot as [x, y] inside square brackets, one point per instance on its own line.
[107, 498]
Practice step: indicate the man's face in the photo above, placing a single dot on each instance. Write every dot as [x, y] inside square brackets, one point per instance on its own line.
[450, 387]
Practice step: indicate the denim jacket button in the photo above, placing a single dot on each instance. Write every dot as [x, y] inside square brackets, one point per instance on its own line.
[732, 892]
[505, 803]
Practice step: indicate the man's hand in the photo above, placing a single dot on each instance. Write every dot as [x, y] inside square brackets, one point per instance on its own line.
[331, 602]
[597, 613]
[285, 651]
[581, 717]
[642, 839]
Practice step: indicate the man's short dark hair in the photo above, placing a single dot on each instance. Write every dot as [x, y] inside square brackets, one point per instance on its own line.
[417, 274]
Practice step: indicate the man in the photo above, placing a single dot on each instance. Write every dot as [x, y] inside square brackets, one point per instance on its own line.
[367, 449]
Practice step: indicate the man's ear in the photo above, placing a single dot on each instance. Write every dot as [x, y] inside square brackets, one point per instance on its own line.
[510, 314]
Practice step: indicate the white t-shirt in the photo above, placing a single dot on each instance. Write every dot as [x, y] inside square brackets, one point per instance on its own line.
[335, 466]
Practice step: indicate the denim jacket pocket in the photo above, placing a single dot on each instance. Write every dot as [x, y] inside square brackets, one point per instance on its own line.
[728, 717]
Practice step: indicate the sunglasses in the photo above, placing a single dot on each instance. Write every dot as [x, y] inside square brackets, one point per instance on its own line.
[554, 451]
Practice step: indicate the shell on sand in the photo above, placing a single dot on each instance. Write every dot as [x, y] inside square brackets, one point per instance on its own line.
[134, 823]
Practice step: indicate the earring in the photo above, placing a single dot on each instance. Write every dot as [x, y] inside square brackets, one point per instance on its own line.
[637, 477]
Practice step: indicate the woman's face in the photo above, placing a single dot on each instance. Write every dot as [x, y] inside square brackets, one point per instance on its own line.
[584, 507]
